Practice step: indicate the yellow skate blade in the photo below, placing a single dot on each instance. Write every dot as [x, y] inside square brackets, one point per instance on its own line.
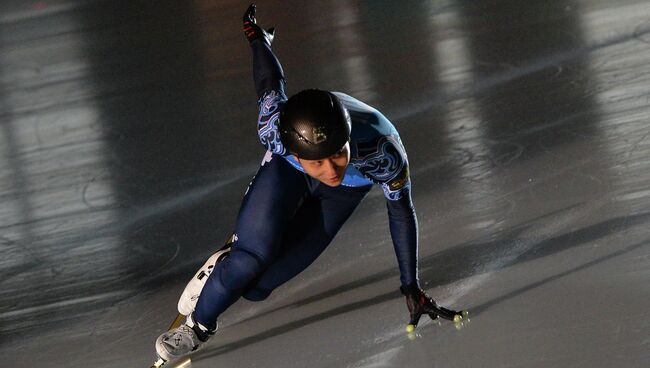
[177, 321]
[181, 363]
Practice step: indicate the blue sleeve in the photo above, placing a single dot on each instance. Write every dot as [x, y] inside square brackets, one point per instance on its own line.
[267, 71]
[269, 85]
[267, 123]
[388, 166]
[403, 226]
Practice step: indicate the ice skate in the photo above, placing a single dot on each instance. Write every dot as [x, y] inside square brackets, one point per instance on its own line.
[187, 301]
[181, 341]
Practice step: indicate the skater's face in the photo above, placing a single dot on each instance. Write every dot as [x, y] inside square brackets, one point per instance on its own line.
[330, 170]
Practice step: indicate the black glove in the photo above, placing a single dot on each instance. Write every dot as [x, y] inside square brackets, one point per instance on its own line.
[419, 303]
[253, 31]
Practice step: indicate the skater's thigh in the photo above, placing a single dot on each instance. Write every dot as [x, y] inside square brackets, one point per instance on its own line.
[270, 202]
[311, 230]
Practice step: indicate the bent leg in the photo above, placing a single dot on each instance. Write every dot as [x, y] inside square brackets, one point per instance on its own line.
[268, 206]
[309, 233]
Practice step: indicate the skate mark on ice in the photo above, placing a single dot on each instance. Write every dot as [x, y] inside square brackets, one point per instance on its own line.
[482, 258]
[294, 325]
[487, 305]
[521, 244]
[382, 359]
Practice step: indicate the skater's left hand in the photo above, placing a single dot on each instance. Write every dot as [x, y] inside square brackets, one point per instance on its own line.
[253, 31]
[418, 303]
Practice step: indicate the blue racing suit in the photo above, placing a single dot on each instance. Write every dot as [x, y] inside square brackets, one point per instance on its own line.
[287, 218]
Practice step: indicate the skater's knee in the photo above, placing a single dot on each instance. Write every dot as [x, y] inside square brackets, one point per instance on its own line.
[242, 268]
[256, 294]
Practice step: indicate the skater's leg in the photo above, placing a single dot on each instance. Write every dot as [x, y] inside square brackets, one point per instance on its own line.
[268, 206]
[309, 233]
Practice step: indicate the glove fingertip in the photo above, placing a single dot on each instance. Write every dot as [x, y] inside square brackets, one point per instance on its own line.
[250, 13]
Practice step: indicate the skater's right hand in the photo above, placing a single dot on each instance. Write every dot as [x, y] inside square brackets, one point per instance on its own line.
[253, 31]
[418, 303]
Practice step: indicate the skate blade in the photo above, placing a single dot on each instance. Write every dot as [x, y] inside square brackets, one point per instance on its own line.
[159, 363]
[177, 321]
[181, 363]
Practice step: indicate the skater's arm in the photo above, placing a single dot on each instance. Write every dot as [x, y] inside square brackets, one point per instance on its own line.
[386, 163]
[403, 226]
[401, 213]
[267, 71]
[389, 167]
[269, 82]
[404, 231]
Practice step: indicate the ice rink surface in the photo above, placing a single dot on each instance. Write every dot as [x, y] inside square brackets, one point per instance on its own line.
[128, 137]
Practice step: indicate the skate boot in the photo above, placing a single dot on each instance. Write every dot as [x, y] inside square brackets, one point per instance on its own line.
[190, 296]
[182, 340]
